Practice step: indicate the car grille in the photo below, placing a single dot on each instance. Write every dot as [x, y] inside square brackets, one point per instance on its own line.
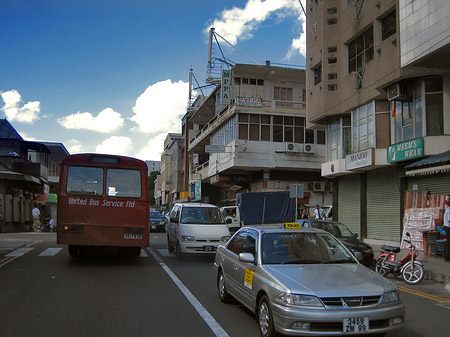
[350, 301]
[211, 240]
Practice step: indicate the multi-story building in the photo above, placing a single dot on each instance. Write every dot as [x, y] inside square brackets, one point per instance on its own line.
[153, 165]
[171, 174]
[378, 80]
[23, 177]
[250, 134]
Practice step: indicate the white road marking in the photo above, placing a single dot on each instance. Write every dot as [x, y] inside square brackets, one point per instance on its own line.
[143, 253]
[19, 252]
[212, 323]
[50, 252]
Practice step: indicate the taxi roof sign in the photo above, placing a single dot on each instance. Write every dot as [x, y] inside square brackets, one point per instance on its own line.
[292, 225]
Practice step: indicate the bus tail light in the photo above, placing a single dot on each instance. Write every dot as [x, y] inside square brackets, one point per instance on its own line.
[73, 228]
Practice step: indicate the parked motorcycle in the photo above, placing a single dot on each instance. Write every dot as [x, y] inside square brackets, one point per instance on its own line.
[408, 268]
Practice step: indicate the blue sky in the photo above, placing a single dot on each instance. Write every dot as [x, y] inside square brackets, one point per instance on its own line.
[111, 76]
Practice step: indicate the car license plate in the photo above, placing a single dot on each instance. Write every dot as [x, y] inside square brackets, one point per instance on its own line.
[132, 236]
[208, 248]
[357, 325]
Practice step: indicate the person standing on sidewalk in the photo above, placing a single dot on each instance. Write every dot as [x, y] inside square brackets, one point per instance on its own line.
[447, 230]
[36, 218]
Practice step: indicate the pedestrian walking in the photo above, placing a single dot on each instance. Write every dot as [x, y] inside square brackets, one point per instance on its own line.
[447, 230]
[36, 213]
[319, 213]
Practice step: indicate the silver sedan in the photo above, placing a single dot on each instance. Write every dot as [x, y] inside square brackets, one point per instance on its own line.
[303, 282]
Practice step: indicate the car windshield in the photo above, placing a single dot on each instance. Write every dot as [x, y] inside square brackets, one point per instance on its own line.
[202, 215]
[154, 214]
[303, 248]
[336, 228]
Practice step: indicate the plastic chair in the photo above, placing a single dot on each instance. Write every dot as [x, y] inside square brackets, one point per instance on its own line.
[441, 240]
[431, 243]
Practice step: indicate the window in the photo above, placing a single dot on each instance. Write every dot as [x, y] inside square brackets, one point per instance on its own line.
[332, 76]
[317, 71]
[332, 60]
[237, 243]
[85, 180]
[388, 25]
[338, 138]
[363, 127]
[332, 21]
[332, 87]
[250, 244]
[332, 49]
[237, 80]
[434, 106]
[282, 96]
[360, 51]
[422, 113]
[332, 10]
[123, 183]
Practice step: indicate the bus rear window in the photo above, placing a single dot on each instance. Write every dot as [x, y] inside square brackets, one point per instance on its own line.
[123, 183]
[85, 180]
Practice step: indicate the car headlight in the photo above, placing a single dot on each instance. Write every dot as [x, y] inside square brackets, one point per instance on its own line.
[390, 297]
[225, 238]
[300, 300]
[161, 222]
[187, 238]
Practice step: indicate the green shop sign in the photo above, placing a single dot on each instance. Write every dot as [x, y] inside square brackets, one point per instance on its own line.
[405, 150]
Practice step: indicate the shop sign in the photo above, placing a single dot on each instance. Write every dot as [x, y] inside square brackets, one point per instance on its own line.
[406, 150]
[229, 180]
[359, 159]
[197, 187]
[249, 101]
[214, 148]
[225, 86]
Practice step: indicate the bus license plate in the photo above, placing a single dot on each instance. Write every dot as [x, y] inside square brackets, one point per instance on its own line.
[356, 325]
[132, 236]
[208, 248]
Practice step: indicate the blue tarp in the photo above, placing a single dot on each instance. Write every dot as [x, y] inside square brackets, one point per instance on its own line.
[258, 208]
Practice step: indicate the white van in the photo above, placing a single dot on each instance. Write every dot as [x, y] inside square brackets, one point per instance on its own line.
[196, 228]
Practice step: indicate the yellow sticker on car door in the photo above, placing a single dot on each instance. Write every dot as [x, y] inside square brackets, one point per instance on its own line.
[248, 279]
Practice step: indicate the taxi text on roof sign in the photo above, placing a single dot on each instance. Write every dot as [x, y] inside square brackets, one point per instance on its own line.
[292, 225]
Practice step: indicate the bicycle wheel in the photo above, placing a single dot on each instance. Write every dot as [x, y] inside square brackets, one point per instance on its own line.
[381, 268]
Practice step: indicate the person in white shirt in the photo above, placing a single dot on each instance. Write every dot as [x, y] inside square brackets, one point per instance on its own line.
[319, 213]
[36, 218]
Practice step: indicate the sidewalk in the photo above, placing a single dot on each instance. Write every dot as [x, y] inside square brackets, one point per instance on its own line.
[436, 269]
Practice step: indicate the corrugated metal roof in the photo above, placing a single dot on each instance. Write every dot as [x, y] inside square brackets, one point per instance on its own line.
[438, 159]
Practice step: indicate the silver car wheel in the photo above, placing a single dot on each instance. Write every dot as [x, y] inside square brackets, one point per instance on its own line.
[265, 320]
[223, 293]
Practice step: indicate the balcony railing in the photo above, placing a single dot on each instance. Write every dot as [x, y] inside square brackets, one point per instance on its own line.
[264, 105]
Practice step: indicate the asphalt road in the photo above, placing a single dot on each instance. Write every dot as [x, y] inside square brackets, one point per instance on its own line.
[46, 293]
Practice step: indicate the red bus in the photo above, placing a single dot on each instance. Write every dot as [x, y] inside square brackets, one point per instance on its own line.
[103, 202]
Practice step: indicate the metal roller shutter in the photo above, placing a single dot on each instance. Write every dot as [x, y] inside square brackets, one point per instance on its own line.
[349, 202]
[383, 205]
[435, 184]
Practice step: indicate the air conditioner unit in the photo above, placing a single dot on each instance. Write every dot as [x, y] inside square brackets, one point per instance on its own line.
[292, 147]
[395, 92]
[309, 148]
[318, 186]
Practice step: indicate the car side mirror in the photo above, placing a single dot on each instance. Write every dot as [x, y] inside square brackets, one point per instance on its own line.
[246, 257]
[355, 235]
[174, 220]
[228, 221]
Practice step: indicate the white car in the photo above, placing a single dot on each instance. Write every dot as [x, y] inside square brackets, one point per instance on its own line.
[196, 228]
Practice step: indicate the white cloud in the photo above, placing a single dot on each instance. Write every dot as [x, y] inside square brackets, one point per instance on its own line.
[106, 121]
[239, 24]
[28, 113]
[298, 46]
[115, 145]
[161, 106]
[153, 149]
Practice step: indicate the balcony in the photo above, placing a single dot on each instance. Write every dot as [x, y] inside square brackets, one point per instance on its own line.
[36, 170]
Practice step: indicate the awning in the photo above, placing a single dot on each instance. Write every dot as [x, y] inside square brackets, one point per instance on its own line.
[10, 175]
[439, 163]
